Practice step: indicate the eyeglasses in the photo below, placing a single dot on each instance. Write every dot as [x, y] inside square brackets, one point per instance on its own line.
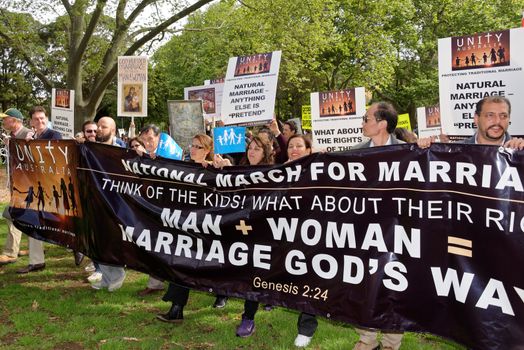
[365, 118]
[197, 147]
[90, 131]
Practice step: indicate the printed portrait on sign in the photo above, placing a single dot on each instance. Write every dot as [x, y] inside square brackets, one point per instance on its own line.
[337, 103]
[186, 119]
[480, 50]
[132, 97]
[207, 96]
[253, 64]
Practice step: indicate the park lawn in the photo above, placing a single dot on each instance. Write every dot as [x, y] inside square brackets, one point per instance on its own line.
[57, 309]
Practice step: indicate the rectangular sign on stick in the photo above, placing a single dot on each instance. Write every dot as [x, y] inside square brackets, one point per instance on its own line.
[132, 86]
[336, 121]
[250, 89]
[211, 97]
[186, 119]
[475, 66]
[63, 112]
[428, 120]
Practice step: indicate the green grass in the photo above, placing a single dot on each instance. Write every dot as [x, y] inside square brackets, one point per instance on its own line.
[56, 309]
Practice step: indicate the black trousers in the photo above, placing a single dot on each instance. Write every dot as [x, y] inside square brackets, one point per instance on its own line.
[178, 294]
[250, 309]
[307, 324]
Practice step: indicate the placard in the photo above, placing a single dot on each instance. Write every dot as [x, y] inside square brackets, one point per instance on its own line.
[186, 119]
[211, 97]
[250, 89]
[336, 119]
[404, 121]
[306, 117]
[475, 66]
[132, 86]
[428, 120]
[229, 139]
[63, 112]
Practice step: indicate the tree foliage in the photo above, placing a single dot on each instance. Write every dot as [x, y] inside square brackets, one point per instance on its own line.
[389, 47]
[79, 47]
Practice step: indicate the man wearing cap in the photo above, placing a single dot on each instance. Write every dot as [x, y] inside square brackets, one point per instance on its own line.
[12, 122]
[41, 132]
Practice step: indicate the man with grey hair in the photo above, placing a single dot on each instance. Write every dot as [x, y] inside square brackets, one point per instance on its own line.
[150, 136]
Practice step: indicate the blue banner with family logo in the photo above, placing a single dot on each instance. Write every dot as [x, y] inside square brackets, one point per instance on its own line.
[168, 148]
[229, 139]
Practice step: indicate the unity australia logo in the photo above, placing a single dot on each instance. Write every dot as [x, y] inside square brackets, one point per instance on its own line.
[480, 50]
[337, 103]
[253, 64]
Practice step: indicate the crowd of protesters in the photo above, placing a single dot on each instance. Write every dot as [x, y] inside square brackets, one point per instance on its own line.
[271, 144]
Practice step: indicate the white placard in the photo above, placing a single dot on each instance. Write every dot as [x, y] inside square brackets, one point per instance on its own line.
[63, 112]
[250, 89]
[428, 121]
[211, 96]
[336, 119]
[132, 86]
[475, 66]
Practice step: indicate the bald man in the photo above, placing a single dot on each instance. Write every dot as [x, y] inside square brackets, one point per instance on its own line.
[112, 276]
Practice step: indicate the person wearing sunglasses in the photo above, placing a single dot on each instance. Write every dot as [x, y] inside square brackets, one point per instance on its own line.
[89, 130]
[379, 125]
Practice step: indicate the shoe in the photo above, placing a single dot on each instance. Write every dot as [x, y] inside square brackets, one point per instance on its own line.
[23, 252]
[363, 346]
[301, 341]
[90, 267]
[174, 315]
[79, 257]
[147, 291]
[116, 285]
[246, 328]
[220, 302]
[268, 307]
[31, 268]
[4, 260]
[95, 277]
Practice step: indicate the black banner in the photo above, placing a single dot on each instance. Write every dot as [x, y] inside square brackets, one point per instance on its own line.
[396, 238]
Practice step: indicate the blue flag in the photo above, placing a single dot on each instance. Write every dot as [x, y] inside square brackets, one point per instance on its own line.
[229, 139]
[168, 148]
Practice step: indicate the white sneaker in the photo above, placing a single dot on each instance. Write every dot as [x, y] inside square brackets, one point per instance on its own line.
[98, 285]
[90, 267]
[116, 285]
[301, 341]
[95, 277]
